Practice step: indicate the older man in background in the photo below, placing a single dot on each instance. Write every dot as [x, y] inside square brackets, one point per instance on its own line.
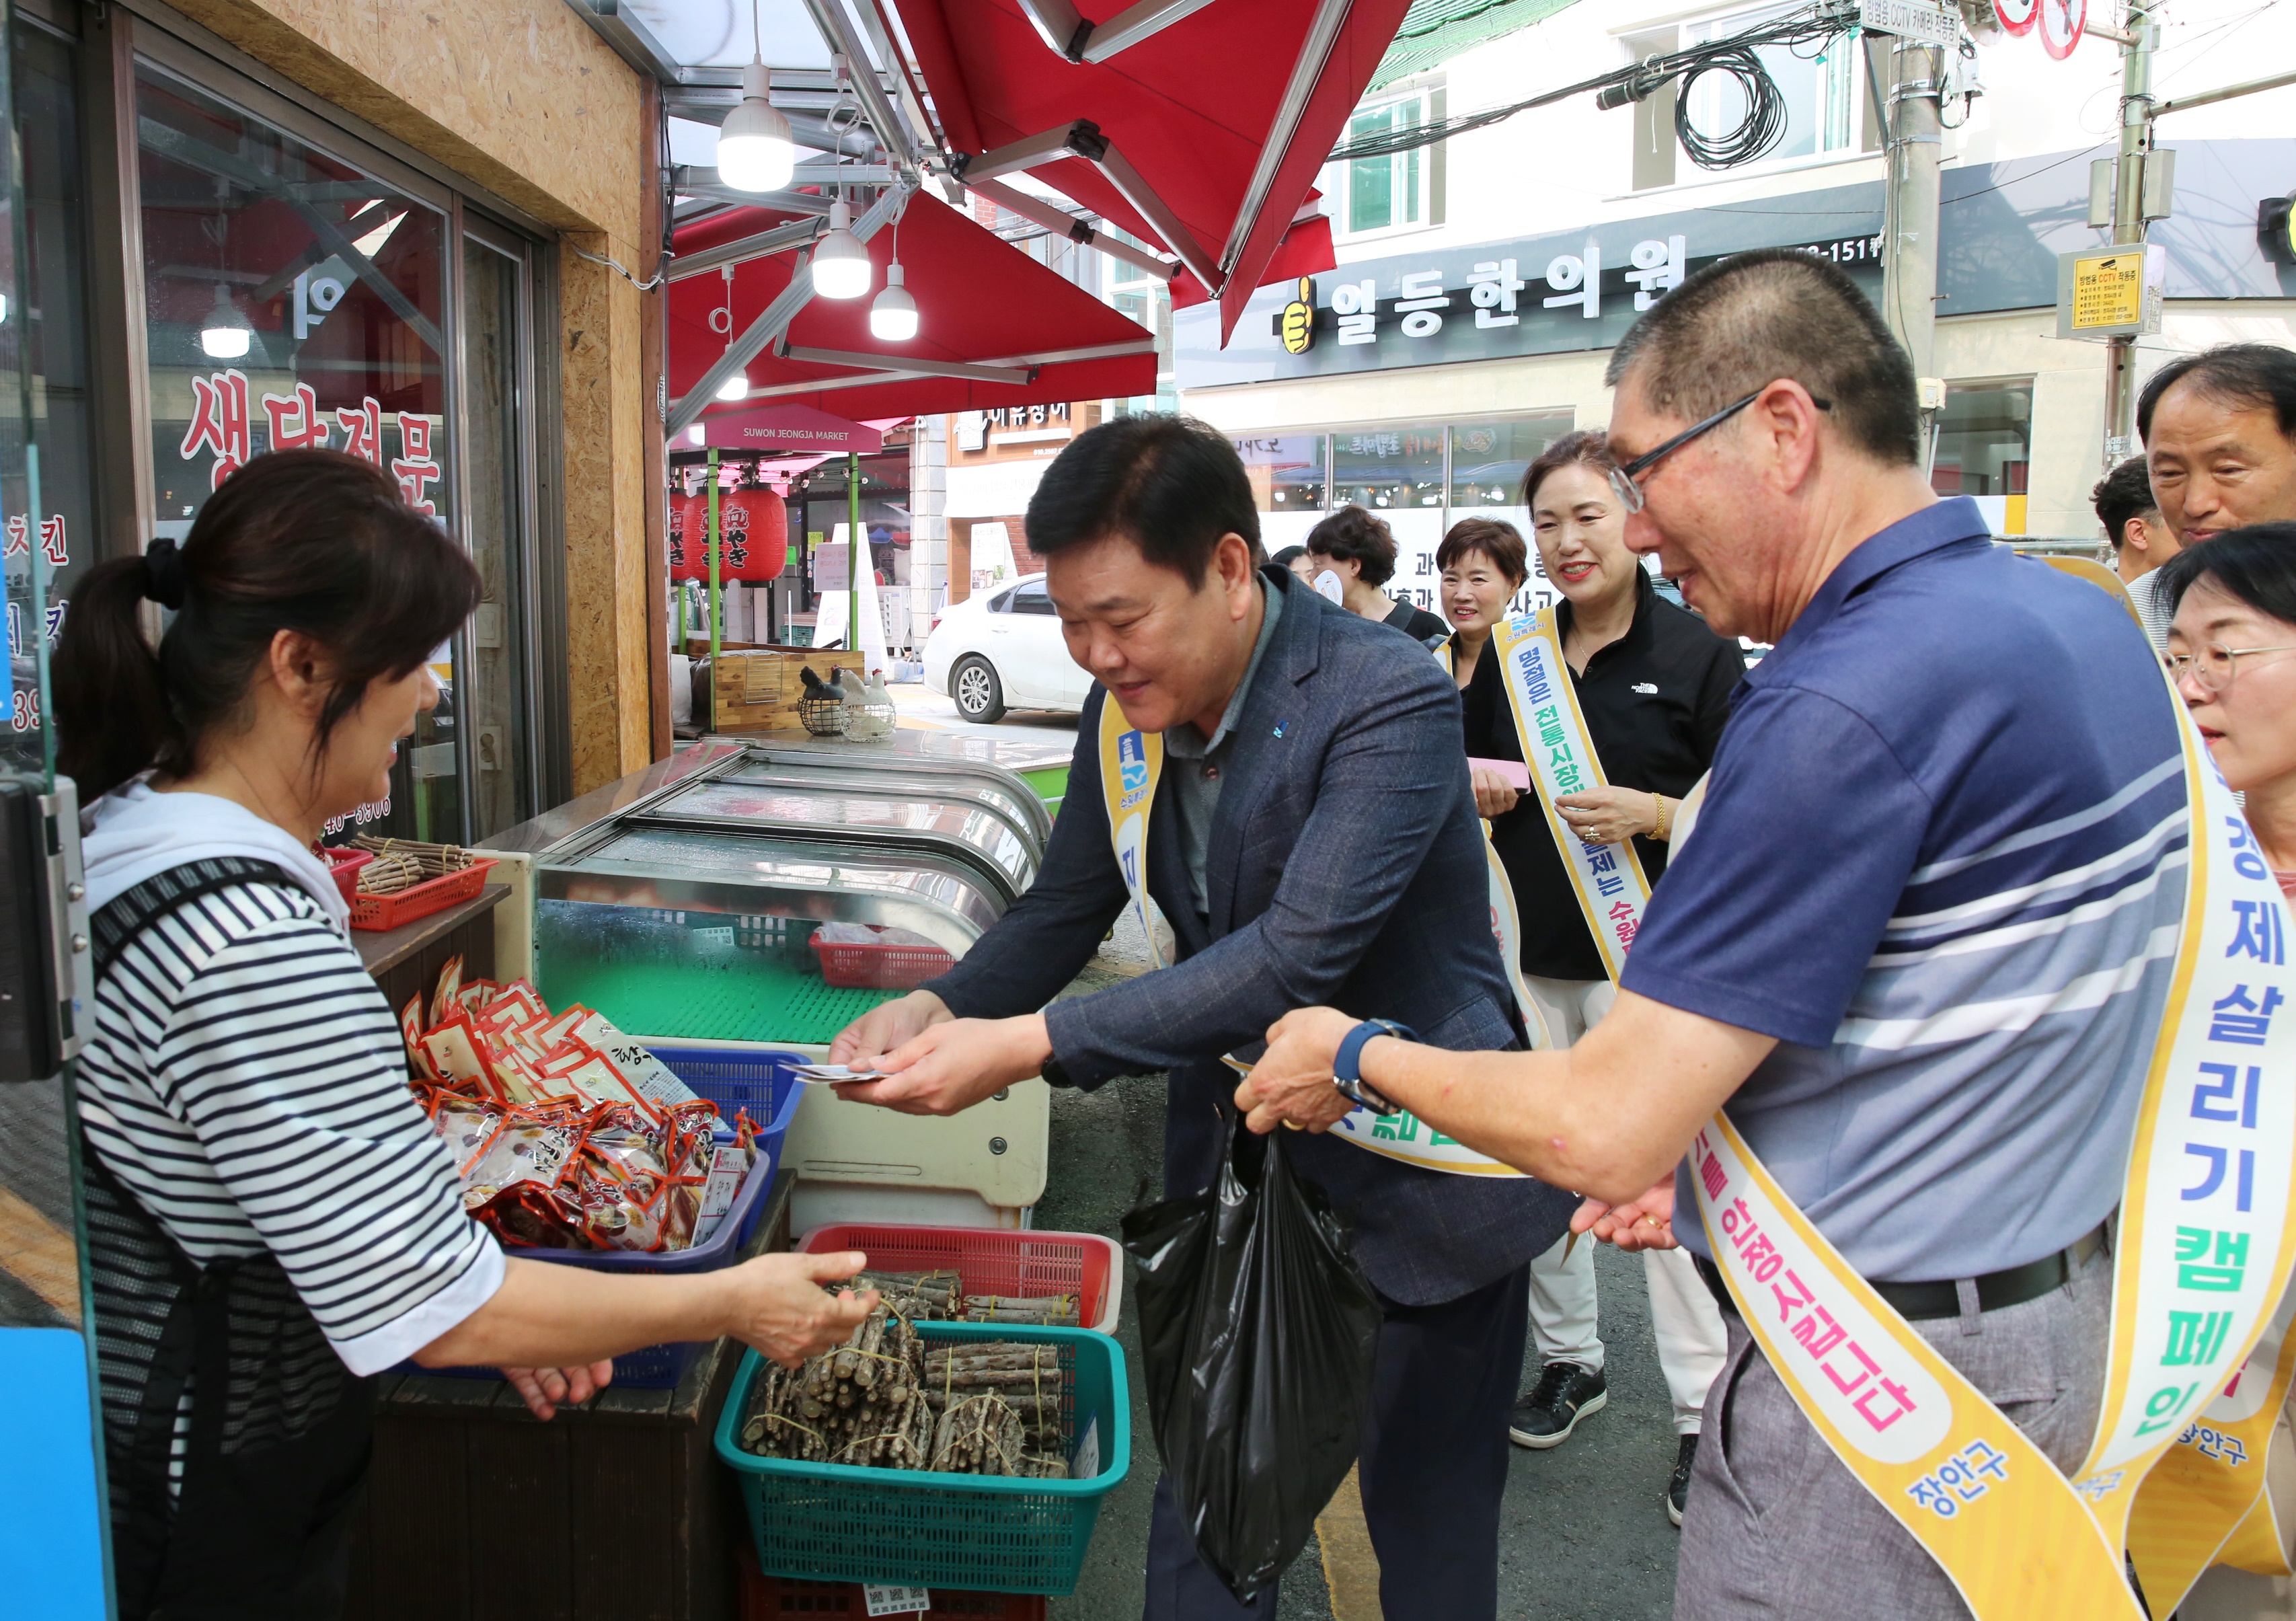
[2220, 433]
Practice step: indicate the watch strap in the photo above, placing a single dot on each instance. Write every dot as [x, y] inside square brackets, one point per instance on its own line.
[1346, 1072]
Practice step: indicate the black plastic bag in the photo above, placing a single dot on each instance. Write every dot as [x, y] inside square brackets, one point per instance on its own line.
[1259, 1331]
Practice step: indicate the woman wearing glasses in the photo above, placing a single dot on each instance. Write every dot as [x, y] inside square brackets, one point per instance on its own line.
[1653, 683]
[2232, 647]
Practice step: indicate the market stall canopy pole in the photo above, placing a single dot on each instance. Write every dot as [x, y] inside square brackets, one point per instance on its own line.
[773, 320]
[1053, 217]
[797, 233]
[1187, 138]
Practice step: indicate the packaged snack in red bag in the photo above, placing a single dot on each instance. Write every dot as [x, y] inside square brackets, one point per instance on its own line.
[530, 1148]
[410, 1025]
[458, 1058]
[474, 994]
[466, 1127]
[522, 997]
[450, 982]
[593, 1077]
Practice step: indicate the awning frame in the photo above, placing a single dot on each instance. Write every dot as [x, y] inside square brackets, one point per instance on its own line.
[1067, 34]
[909, 370]
[1082, 138]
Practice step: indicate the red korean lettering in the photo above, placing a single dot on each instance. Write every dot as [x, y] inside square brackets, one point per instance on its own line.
[362, 430]
[52, 541]
[1711, 1175]
[19, 543]
[219, 423]
[412, 466]
[1762, 1258]
[294, 418]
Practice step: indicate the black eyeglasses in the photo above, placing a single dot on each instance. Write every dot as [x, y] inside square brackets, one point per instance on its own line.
[1622, 478]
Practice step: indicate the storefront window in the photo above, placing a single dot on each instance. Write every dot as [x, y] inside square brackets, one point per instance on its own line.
[1487, 463]
[294, 301]
[1287, 484]
[1984, 449]
[53, 331]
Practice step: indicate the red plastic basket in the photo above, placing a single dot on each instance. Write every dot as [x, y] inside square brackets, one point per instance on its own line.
[379, 912]
[858, 965]
[990, 1261]
[766, 1597]
[343, 865]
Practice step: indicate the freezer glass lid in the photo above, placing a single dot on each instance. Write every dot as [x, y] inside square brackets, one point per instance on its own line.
[733, 858]
[835, 778]
[977, 828]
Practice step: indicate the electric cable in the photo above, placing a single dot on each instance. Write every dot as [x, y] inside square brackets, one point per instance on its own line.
[1735, 55]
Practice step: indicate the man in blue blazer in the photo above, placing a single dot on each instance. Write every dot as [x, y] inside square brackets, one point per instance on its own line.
[1312, 838]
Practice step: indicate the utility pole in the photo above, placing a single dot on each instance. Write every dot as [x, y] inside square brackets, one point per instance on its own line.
[1910, 218]
[2140, 39]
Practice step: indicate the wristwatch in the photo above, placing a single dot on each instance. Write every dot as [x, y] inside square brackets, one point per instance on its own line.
[1348, 1078]
[1053, 1074]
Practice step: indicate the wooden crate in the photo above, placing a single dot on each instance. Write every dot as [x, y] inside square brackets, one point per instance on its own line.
[618, 1510]
[758, 690]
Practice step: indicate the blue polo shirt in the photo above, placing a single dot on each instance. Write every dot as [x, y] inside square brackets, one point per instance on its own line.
[1942, 858]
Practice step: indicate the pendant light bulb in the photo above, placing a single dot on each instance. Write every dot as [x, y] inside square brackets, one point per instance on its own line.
[841, 263]
[893, 317]
[736, 387]
[227, 334]
[755, 152]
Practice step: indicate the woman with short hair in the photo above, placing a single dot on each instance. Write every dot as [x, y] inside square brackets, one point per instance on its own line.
[1360, 549]
[1653, 684]
[271, 1219]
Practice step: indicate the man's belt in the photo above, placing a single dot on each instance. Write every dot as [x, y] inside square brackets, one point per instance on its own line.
[1928, 1302]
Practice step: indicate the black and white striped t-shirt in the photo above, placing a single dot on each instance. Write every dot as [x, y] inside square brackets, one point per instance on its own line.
[246, 1082]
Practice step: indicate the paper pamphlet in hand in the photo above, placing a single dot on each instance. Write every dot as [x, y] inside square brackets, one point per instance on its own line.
[830, 1074]
[1517, 774]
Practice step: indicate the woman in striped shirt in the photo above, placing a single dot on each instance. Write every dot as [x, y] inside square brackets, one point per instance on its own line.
[271, 1219]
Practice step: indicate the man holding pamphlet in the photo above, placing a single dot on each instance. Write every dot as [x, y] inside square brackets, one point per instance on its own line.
[1922, 1046]
[1284, 780]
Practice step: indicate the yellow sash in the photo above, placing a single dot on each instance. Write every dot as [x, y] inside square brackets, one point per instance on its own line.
[2206, 1229]
[1130, 763]
[1607, 878]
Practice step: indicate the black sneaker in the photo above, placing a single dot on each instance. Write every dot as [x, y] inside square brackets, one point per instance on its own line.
[1677, 1489]
[1565, 1393]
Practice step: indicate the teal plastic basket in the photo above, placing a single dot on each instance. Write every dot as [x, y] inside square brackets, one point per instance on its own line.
[836, 1522]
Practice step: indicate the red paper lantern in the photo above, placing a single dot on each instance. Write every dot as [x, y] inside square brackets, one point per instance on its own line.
[753, 527]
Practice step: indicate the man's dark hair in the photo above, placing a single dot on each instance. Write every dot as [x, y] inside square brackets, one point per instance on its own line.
[1171, 485]
[2243, 376]
[2256, 565]
[1494, 537]
[1776, 312]
[1354, 533]
[2124, 493]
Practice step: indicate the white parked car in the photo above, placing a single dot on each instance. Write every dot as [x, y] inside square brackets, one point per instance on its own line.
[1002, 649]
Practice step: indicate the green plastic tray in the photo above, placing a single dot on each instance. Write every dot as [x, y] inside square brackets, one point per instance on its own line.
[744, 997]
[835, 1522]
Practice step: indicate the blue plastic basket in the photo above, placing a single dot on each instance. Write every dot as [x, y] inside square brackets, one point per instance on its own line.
[760, 1081]
[835, 1522]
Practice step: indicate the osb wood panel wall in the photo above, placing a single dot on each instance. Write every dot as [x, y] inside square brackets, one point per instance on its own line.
[524, 100]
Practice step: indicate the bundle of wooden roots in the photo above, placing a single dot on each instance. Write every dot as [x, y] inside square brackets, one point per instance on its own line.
[403, 863]
[942, 1296]
[890, 1399]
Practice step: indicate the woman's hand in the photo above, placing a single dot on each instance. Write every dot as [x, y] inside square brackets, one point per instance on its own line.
[888, 1026]
[1292, 1081]
[1608, 815]
[1495, 795]
[1643, 1222]
[544, 1387]
[779, 1306]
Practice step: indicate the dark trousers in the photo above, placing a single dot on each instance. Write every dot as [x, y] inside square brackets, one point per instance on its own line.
[1434, 1467]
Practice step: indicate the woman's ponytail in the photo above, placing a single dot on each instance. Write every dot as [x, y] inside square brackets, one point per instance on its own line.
[111, 710]
[311, 541]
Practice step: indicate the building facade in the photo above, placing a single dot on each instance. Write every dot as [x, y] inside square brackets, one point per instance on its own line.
[259, 224]
[1483, 281]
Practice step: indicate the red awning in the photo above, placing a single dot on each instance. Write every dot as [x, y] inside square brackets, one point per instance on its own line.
[980, 301]
[1189, 110]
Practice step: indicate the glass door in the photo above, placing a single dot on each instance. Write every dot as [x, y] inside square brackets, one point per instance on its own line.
[498, 472]
[52, 1520]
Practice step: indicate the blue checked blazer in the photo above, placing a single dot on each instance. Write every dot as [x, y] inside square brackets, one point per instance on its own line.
[1347, 869]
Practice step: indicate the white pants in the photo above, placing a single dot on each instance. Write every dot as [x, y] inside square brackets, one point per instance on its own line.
[1683, 1317]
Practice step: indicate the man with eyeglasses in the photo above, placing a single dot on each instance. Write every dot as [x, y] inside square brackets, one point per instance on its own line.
[1911, 939]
